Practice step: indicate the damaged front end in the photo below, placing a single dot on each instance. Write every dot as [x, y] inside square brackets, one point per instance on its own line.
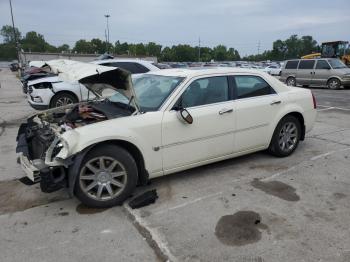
[44, 142]
[38, 146]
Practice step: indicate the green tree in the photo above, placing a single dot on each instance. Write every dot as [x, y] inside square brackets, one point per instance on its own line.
[34, 42]
[7, 33]
[63, 48]
[83, 46]
[152, 49]
[220, 53]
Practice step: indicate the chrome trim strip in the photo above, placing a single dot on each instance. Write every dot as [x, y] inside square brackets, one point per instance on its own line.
[210, 137]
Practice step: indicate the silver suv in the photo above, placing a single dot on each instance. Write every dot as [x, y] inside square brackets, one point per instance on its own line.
[331, 72]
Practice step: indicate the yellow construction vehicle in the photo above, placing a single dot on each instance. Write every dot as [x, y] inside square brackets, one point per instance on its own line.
[335, 49]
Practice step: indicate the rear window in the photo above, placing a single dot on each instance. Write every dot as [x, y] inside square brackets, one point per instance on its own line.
[292, 64]
[306, 64]
[322, 64]
[133, 68]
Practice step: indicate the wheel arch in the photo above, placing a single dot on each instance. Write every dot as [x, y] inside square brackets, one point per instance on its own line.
[135, 152]
[336, 77]
[63, 92]
[296, 114]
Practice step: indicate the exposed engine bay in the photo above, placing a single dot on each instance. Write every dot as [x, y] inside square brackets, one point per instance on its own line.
[41, 130]
[85, 114]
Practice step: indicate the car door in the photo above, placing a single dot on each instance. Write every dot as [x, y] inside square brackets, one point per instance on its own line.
[210, 136]
[255, 105]
[321, 73]
[305, 72]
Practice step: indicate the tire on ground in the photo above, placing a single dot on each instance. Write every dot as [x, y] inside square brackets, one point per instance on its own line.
[125, 159]
[333, 83]
[274, 147]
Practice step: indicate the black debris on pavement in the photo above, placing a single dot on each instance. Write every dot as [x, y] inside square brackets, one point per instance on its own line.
[144, 199]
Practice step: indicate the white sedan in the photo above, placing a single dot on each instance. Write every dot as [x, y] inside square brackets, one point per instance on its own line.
[168, 121]
[274, 70]
[50, 92]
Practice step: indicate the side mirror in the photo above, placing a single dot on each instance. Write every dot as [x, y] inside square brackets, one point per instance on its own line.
[185, 116]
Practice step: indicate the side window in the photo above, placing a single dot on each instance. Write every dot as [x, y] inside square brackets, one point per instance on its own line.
[205, 91]
[251, 86]
[306, 64]
[141, 68]
[322, 64]
[292, 64]
[133, 68]
[126, 66]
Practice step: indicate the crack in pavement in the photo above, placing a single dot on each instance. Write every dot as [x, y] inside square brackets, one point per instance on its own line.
[332, 132]
[152, 238]
[332, 141]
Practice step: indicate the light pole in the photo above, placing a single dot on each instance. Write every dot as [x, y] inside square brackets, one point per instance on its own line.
[107, 35]
[15, 38]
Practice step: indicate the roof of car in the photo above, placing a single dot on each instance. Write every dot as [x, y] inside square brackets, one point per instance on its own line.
[199, 71]
[122, 60]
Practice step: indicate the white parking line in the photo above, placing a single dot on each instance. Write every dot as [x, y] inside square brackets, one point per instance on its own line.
[328, 108]
[303, 162]
[188, 203]
[332, 107]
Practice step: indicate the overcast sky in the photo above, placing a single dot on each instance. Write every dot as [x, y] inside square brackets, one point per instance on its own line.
[235, 23]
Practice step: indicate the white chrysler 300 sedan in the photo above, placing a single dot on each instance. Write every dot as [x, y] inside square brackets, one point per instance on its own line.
[165, 122]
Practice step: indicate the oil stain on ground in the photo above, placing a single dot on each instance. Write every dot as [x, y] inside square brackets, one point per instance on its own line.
[239, 229]
[85, 210]
[15, 196]
[277, 188]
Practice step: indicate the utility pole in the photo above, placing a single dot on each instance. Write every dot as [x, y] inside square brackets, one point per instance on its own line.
[15, 38]
[199, 49]
[107, 34]
[259, 47]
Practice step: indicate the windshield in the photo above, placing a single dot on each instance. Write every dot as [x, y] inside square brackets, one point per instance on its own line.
[151, 91]
[336, 63]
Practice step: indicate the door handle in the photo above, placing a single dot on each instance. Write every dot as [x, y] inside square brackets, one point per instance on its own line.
[225, 111]
[276, 102]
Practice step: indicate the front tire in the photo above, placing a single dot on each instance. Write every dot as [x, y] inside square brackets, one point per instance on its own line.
[63, 99]
[291, 81]
[286, 137]
[333, 83]
[107, 176]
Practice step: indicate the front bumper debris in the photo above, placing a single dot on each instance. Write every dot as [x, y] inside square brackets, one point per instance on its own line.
[51, 178]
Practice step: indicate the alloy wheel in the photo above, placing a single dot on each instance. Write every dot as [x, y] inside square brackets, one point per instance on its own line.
[103, 178]
[291, 82]
[288, 136]
[63, 101]
[333, 84]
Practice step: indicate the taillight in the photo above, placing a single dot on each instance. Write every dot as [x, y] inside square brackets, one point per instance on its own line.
[314, 100]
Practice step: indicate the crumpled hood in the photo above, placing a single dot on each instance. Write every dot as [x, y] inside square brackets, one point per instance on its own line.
[95, 77]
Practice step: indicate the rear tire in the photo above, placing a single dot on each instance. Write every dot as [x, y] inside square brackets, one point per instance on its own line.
[333, 83]
[107, 176]
[291, 81]
[286, 137]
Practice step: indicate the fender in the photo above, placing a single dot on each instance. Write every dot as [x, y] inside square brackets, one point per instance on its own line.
[291, 108]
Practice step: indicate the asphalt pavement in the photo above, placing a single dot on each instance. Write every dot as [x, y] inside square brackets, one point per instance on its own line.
[252, 208]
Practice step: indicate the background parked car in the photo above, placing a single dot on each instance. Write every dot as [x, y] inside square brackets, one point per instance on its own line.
[50, 92]
[134, 66]
[331, 73]
[273, 70]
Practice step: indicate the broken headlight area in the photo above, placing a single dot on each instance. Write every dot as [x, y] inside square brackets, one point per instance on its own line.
[39, 145]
